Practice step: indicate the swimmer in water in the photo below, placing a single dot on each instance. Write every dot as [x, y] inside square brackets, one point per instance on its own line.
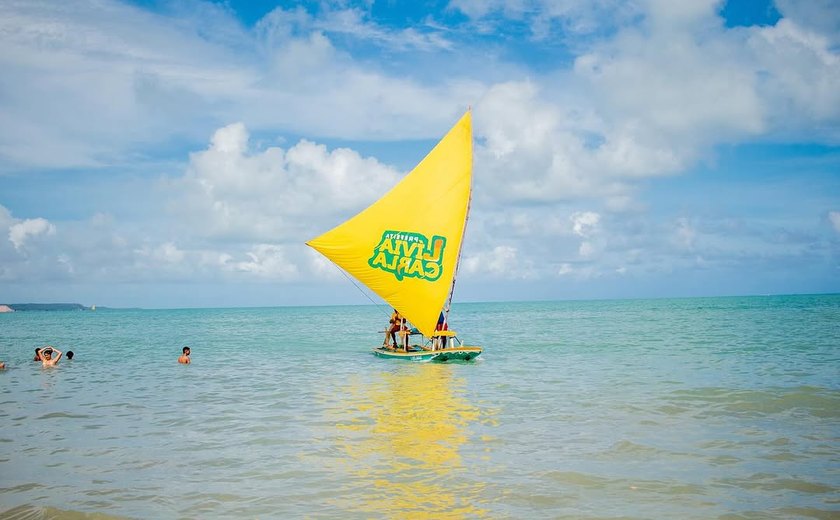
[185, 356]
[47, 358]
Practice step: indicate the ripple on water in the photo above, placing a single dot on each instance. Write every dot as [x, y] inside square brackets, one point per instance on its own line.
[817, 402]
[63, 415]
[689, 409]
[31, 512]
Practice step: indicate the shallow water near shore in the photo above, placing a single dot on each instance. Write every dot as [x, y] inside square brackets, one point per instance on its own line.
[687, 408]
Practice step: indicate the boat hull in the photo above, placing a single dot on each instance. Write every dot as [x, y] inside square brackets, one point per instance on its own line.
[462, 353]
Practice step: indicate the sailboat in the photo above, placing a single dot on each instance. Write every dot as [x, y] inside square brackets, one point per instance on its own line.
[406, 247]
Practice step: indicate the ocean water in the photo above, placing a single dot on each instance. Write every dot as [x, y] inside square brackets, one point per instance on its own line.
[725, 408]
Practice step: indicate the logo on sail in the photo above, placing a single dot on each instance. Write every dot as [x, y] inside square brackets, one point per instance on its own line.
[407, 254]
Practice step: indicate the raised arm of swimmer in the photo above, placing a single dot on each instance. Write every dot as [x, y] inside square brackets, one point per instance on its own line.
[47, 356]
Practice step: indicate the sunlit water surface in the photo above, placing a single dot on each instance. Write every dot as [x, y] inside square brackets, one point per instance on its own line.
[692, 408]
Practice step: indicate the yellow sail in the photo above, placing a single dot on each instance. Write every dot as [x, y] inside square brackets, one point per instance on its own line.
[405, 246]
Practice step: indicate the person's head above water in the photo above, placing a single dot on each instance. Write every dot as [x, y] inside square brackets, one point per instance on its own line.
[69, 354]
[47, 353]
[186, 350]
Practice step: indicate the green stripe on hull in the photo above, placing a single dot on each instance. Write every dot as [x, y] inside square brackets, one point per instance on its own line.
[448, 354]
[458, 354]
[421, 355]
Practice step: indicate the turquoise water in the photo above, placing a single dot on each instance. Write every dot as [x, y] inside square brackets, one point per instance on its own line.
[688, 408]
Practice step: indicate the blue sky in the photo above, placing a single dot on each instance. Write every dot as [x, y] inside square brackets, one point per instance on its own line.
[178, 153]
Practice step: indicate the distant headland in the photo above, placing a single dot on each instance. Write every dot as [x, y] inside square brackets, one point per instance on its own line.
[14, 307]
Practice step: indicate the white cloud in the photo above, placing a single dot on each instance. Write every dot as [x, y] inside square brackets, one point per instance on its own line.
[75, 73]
[653, 99]
[321, 267]
[544, 17]
[533, 150]
[799, 73]
[651, 89]
[670, 88]
[21, 231]
[265, 261]
[355, 23]
[834, 218]
[78, 71]
[685, 233]
[166, 253]
[816, 15]
[585, 224]
[682, 16]
[501, 261]
[273, 195]
[647, 99]
[67, 263]
[565, 269]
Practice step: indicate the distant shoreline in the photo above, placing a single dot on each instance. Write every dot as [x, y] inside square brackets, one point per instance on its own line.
[14, 307]
[18, 307]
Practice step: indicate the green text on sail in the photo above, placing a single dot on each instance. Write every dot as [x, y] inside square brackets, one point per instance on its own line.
[407, 254]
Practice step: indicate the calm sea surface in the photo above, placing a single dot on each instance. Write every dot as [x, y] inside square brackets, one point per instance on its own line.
[701, 408]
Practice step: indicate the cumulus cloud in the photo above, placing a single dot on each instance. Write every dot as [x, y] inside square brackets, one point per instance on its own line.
[273, 195]
[534, 151]
[645, 97]
[266, 261]
[799, 79]
[819, 16]
[563, 145]
[75, 72]
[585, 224]
[348, 22]
[501, 261]
[21, 231]
[72, 74]
[166, 253]
[237, 212]
[586, 249]
[652, 99]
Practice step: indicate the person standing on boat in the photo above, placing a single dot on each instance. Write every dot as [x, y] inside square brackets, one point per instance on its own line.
[395, 324]
[441, 326]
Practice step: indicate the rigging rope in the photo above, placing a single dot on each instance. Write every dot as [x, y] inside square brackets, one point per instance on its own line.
[353, 281]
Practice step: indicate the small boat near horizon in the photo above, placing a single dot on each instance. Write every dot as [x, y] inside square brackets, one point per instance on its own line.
[406, 247]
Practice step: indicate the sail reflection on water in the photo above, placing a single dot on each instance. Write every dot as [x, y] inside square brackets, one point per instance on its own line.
[405, 445]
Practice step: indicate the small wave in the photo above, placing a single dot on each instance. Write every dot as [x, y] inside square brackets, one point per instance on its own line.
[816, 402]
[775, 483]
[30, 512]
[62, 415]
